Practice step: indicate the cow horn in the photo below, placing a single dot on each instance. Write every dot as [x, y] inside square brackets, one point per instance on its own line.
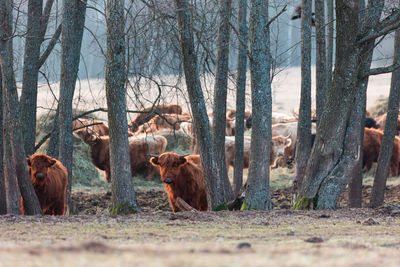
[155, 156]
[184, 155]
[289, 135]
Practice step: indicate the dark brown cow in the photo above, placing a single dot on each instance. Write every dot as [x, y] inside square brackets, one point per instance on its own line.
[49, 178]
[148, 113]
[183, 177]
[140, 149]
[100, 129]
[372, 145]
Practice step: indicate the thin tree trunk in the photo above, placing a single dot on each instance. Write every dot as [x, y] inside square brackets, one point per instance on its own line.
[53, 148]
[240, 99]
[123, 193]
[367, 17]
[329, 42]
[196, 99]
[257, 191]
[73, 20]
[382, 170]
[3, 200]
[321, 80]
[304, 124]
[16, 159]
[220, 94]
[30, 75]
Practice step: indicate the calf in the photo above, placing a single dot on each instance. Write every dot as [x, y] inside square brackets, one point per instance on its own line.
[140, 149]
[183, 177]
[49, 178]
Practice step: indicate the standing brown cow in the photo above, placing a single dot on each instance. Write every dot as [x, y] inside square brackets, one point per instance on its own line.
[148, 113]
[183, 177]
[49, 178]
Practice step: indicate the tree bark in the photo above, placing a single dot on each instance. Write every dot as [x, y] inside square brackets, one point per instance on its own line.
[220, 95]
[382, 170]
[321, 80]
[334, 155]
[3, 200]
[123, 193]
[15, 161]
[304, 124]
[53, 148]
[329, 42]
[257, 191]
[73, 20]
[240, 98]
[196, 99]
[30, 75]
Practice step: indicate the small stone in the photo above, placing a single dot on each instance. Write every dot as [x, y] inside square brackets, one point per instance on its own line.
[370, 221]
[290, 233]
[243, 245]
[314, 239]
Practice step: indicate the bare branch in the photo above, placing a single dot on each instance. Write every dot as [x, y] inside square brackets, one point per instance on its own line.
[241, 42]
[277, 15]
[50, 47]
[388, 69]
[183, 205]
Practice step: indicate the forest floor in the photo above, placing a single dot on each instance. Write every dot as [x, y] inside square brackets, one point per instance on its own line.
[158, 237]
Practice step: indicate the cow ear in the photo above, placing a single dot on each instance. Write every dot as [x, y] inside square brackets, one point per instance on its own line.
[52, 161]
[182, 160]
[154, 161]
[28, 160]
[288, 142]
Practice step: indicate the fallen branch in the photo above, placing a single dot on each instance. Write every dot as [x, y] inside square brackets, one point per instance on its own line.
[183, 205]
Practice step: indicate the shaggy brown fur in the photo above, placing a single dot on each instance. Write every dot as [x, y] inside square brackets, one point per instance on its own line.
[49, 178]
[183, 177]
[99, 129]
[149, 112]
[140, 149]
[381, 121]
[166, 121]
[372, 145]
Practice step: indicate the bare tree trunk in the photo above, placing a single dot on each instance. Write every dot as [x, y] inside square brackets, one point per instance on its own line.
[3, 199]
[321, 80]
[329, 42]
[196, 98]
[257, 191]
[220, 94]
[30, 75]
[333, 154]
[53, 148]
[123, 193]
[16, 159]
[73, 20]
[382, 170]
[367, 18]
[304, 125]
[240, 98]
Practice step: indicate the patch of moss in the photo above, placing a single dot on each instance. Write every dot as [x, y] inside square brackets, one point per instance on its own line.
[123, 208]
[303, 203]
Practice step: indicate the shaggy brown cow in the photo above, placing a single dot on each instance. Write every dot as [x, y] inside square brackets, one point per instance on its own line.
[166, 121]
[183, 177]
[140, 149]
[278, 146]
[381, 121]
[99, 129]
[49, 178]
[149, 112]
[372, 145]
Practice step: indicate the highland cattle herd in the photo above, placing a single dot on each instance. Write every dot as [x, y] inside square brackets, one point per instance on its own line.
[181, 174]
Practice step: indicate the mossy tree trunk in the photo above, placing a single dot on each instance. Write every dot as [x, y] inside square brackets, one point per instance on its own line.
[3, 200]
[123, 193]
[220, 95]
[330, 26]
[257, 191]
[73, 21]
[196, 99]
[240, 98]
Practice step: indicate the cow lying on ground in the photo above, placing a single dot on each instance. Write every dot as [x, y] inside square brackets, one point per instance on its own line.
[148, 113]
[140, 149]
[166, 121]
[100, 128]
[183, 177]
[49, 178]
[278, 146]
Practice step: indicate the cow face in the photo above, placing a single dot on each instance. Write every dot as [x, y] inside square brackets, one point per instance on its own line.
[279, 143]
[38, 166]
[87, 136]
[169, 164]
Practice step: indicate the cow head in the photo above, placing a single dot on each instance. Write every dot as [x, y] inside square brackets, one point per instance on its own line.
[88, 136]
[133, 127]
[38, 165]
[279, 144]
[169, 164]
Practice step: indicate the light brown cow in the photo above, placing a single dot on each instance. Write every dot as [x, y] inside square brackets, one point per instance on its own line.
[49, 178]
[183, 177]
[140, 149]
[166, 121]
[98, 128]
[278, 145]
[149, 112]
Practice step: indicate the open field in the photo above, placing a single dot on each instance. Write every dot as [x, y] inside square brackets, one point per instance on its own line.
[281, 237]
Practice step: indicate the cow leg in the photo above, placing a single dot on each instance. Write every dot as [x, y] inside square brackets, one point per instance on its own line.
[58, 208]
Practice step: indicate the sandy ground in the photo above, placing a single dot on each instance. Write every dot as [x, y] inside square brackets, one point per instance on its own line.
[90, 94]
